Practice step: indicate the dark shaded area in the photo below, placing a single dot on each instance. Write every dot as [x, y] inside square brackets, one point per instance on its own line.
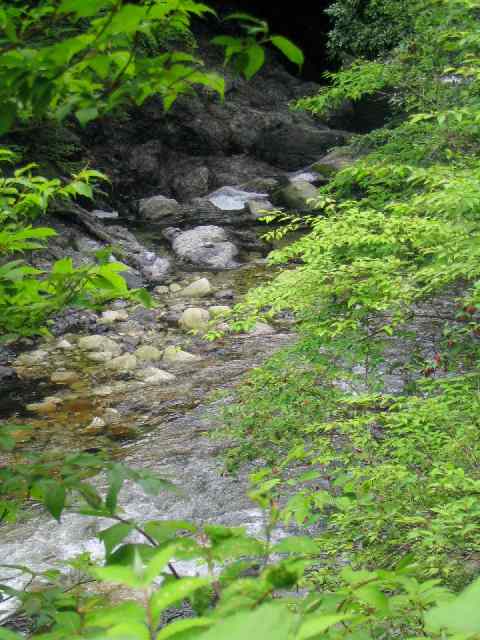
[304, 22]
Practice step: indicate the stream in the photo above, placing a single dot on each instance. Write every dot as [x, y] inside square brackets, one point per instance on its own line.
[156, 423]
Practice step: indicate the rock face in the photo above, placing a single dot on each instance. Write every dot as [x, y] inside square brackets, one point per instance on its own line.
[207, 247]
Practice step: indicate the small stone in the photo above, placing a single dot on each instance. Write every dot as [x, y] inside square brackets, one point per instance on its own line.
[194, 318]
[31, 359]
[100, 358]
[175, 288]
[174, 355]
[110, 317]
[64, 377]
[105, 215]
[155, 376]
[96, 426]
[123, 364]
[162, 291]
[219, 310]
[111, 416]
[109, 390]
[64, 345]
[148, 354]
[98, 343]
[198, 289]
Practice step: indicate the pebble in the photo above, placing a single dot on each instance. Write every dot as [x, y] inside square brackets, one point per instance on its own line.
[155, 376]
[31, 359]
[175, 288]
[162, 291]
[64, 345]
[99, 343]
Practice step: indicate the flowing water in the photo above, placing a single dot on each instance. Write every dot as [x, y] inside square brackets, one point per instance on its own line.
[161, 428]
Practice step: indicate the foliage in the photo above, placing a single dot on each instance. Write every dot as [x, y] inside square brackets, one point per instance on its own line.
[368, 28]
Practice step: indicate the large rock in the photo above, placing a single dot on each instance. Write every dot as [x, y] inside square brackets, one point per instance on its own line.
[297, 195]
[195, 319]
[207, 246]
[291, 146]
[148, 353]
[157, 208]
[155, 376]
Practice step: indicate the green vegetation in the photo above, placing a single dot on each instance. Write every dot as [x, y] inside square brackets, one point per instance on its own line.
[383, 486]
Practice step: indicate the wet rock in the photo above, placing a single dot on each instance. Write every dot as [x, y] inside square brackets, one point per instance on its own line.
[265, 185]
[148, 354]
[64, 377]
[100, 357]
[197, 289]
[226, 294]
[7, 375]
[109, 390]
[99, 344]
[297, 195]
[175, 288]
[123, 364]
[207, 247]
[195, 319]
[32, 359]
[233, 199]
[155, 376]
[291, 146]
[133, 278]
[110, 317]
[99, 214]
[174, 355]
[86, 245]
[157, 208]
[122, 432]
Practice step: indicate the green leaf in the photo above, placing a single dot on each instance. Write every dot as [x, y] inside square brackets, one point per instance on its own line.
[255, 56]
[174, 592]
[301, 545]
[8, 114]
[289, 50]
[86, 115]
[113, 536]
[181, 626]
[5, 634]
[316, 625]
[461, 616]
[54, 496]
[116, 478]
[269, 622]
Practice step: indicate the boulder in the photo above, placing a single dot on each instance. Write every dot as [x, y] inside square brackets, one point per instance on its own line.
[206, 246]
[174, 355]
[198, 289]
[195, 319]
[291, 146]
[296, 195]
[157, 208]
